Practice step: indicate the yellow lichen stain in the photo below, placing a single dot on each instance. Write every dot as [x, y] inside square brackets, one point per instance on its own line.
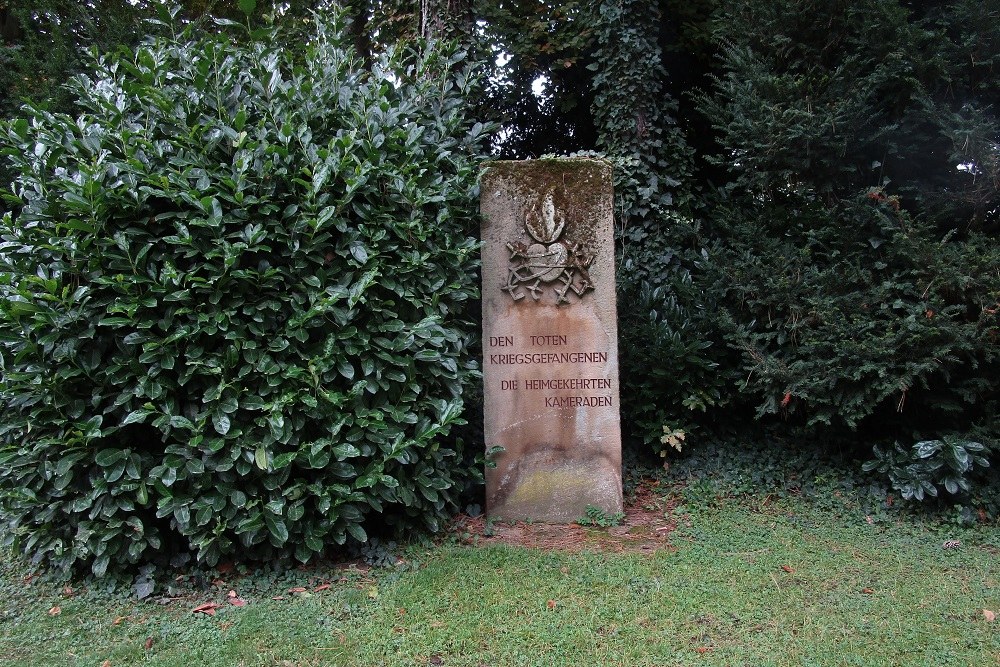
[541, 487]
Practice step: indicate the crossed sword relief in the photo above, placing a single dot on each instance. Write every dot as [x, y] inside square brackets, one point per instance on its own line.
[548, 260]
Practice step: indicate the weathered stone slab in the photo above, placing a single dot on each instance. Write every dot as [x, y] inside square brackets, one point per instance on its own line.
[550, 339]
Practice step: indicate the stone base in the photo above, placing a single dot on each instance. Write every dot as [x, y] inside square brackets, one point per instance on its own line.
[538, 488]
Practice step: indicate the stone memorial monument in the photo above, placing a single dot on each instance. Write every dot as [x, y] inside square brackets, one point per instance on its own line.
[550, 340]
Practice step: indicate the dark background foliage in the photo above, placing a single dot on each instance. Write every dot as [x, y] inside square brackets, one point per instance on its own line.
[857, 226]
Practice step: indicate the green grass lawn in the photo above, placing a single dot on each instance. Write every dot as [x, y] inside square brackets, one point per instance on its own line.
[749, 582]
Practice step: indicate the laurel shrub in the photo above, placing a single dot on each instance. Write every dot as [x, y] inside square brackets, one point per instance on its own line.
[232, 315]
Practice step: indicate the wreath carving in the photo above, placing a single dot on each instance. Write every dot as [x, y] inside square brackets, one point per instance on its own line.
[550, 260]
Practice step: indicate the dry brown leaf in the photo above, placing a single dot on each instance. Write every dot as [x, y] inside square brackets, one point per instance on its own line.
[106, 663]
[788, 568]
[55, 611]
[67, 591]
[867, 591]
[297, 589]
[231, 594]
[118, 620]
[149, 643]
[703, 649]
[551, 604]
[989, 615]
[207, 608]
[238, 602]
[321, 588]
[436, 660]
[279, 598]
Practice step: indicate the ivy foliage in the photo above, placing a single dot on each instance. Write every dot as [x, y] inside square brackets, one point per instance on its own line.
[232, 301]
[671, 357]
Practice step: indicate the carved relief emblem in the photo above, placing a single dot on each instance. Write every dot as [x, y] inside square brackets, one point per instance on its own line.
[548, 260]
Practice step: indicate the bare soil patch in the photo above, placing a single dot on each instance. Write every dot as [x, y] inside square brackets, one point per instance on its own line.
[646, 527]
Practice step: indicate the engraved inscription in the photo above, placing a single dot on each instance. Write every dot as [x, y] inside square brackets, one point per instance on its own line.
[550, 358]
[553, 384]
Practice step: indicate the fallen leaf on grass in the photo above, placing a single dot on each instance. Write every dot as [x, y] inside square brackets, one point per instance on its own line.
[279, 598]
[321, 588]
[67, 591]
[551, 604]
[118, 620]
[207, 608]
[989, 615]
[106, 663]
[297, 589]
[867, 591]
[703, 649]
[788, 568]
[55, 611]
[437, 660]
[149, 643]
[235, 599]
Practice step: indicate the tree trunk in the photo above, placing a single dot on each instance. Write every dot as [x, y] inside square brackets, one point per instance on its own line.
[359, 11]
[445, 19]
[10, 29]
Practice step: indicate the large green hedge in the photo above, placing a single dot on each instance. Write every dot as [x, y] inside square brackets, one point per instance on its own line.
[232, 301]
